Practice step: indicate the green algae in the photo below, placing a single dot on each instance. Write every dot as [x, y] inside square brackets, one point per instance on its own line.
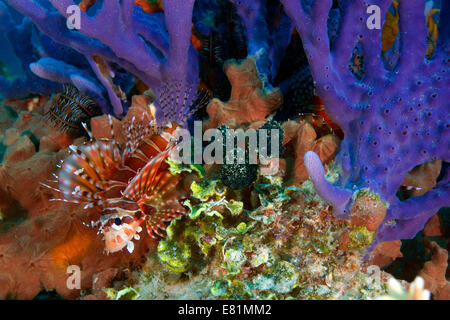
[360, 237]
[176, 167]
[225, 249]
[175, 256]
[124, 294]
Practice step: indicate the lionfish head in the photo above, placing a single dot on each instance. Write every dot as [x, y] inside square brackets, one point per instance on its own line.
[120, 232]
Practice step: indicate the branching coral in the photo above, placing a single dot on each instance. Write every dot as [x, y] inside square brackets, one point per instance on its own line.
[148, 53]
[46, 63]
[391, 119]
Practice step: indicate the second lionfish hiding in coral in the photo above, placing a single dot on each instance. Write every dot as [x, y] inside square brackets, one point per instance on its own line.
[69, 109]
[130, 183]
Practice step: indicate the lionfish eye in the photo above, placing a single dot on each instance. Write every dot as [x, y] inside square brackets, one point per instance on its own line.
[118, 221]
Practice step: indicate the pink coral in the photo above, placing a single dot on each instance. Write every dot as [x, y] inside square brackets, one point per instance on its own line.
[248, 102]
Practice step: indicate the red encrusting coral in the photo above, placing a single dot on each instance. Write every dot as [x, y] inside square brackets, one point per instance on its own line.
[40, 238]
[434, 271]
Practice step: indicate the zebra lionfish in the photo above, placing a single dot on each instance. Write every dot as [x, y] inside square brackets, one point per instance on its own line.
[130, 183]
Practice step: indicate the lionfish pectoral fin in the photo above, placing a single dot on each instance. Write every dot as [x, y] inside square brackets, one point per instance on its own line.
[130, 246]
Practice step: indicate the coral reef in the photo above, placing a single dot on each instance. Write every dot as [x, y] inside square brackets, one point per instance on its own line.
[383, 117]
[148, 55]
[342, 127]
[241, 250]
[41, 238]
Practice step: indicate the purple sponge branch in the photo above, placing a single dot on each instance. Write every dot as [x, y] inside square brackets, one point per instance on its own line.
[111, 25]
[267, 40]
[154, 47]
[404, 219]
[337, 197]
[115, 101]
[182, 59]
[115, 22]
[54, 25]
[392, 120]
[61, 72]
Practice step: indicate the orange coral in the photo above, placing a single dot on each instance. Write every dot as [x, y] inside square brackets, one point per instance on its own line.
[368, 212]
[150, 7]
[386, 252]
[433, 228]
[303, 137]
[38, 238]
[195, 40]
[86, 4]
[73, 248]
[390, 28]
[249, 101]
[423, 177]
[433, 272]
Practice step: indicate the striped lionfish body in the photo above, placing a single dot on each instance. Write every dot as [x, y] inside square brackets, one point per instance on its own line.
[129, 186]
[153, 190]
[150, 147]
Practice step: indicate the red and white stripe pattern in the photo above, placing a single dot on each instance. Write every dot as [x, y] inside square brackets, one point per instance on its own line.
[153, 190]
